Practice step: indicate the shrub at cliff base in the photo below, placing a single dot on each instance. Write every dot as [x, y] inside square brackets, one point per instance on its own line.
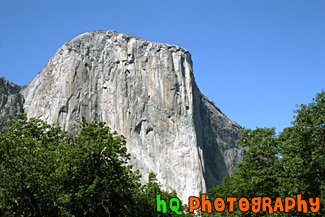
[45, 171]
[283, 165]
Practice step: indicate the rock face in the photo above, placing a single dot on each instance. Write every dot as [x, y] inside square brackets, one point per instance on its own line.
[147, 92]
[11, 103]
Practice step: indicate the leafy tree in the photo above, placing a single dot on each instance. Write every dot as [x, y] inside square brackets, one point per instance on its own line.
[97, 179]
[258, 174]
[145, 199]
[28, 156]
[303, 153]
[46, 172]
[289, 164]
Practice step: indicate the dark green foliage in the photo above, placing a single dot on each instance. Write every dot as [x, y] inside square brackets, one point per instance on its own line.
[289, 164]
[97, 181]
[28, 157]
[304, 151]
[146, 199]
[12, 87]
[47, 172]
[258, 174]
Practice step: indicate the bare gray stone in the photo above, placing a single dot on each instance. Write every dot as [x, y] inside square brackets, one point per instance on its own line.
[147, 92]
[11, 103]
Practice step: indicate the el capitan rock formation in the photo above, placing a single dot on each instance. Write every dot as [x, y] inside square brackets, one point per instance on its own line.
[147, 92]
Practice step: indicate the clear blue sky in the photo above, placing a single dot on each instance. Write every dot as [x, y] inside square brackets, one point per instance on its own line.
[256, 59]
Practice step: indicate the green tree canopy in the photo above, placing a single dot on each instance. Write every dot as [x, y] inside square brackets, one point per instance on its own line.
[287, 164]
[45, 171]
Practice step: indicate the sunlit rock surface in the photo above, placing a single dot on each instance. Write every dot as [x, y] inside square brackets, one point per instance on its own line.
[147, 92]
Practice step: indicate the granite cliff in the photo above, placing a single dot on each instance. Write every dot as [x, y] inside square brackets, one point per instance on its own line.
[147, 92]
[11, 103]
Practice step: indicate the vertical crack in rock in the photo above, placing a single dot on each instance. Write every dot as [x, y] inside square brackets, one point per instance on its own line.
[147, 92]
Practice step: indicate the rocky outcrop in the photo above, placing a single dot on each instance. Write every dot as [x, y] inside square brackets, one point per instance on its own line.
[11, 103]
[147, 92]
